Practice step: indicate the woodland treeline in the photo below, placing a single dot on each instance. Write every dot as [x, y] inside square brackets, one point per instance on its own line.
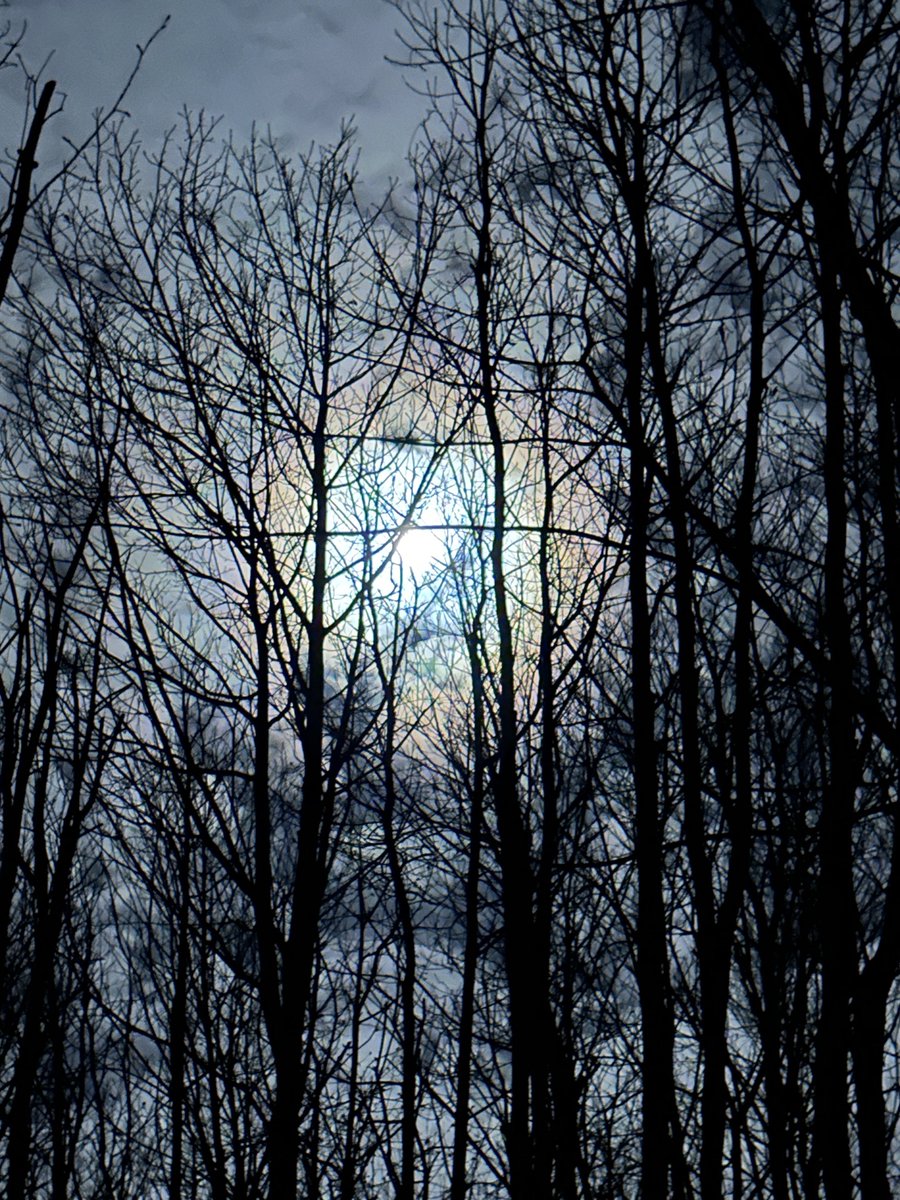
[449, 640]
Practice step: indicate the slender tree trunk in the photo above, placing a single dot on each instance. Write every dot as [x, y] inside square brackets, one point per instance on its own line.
[458, 1177]
[560, 1104]
[714, 946]
[282, 1144]
[657, 1079]
[178, 1025]
[836, 900]
[284, 1022]
[406, 1187]
[211, 1144]
[347, 1180]
[740, 819]
[517, 883]
[768, 1011]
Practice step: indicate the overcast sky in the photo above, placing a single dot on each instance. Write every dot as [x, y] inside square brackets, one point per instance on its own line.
[299, 66]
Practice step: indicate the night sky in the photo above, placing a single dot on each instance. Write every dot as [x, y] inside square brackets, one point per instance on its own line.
[298, 66]
[449, 669]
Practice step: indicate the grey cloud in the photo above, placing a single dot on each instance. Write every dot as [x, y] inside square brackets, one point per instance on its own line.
[297, 67]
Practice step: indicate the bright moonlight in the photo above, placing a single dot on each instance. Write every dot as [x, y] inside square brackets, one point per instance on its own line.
[420, 549]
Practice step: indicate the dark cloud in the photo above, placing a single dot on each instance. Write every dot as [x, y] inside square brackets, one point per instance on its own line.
[298, 66]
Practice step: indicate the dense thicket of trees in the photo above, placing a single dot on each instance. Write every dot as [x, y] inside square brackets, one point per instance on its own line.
[448, 696]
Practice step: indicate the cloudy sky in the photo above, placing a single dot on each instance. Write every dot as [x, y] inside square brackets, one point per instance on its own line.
[299, 66]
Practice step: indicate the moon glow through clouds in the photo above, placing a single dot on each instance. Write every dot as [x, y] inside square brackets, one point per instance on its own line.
[420, 549]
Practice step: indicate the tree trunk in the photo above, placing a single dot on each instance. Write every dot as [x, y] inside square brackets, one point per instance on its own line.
[21, 197]
[657, 1079]
[458, 1176]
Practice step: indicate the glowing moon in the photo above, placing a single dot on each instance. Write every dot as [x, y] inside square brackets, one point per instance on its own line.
[419, 549]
